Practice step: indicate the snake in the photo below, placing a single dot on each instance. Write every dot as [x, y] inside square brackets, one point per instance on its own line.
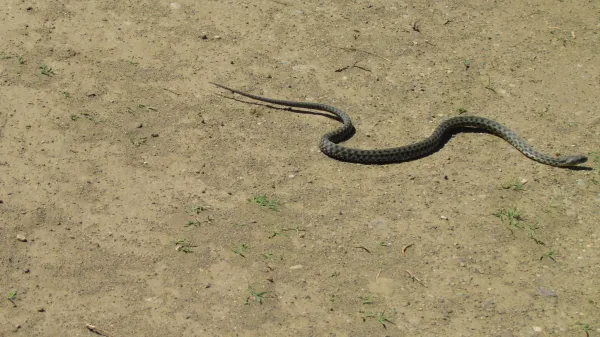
[329, 144]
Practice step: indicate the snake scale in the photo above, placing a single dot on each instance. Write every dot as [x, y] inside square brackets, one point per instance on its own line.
[329, 142]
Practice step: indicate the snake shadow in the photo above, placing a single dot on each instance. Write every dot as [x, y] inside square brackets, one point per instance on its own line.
[443, 141]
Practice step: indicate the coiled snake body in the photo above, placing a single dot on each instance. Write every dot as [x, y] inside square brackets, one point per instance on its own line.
[329, 142]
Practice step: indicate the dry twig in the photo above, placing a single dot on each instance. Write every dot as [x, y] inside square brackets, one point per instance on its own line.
[405, 248]
[414, 277]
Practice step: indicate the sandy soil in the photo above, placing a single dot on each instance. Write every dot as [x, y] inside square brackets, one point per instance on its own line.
[140, 199]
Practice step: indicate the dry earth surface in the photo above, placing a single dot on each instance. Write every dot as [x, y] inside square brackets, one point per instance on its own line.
[140, 199]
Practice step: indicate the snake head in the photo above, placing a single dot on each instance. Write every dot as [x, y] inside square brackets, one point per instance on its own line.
[572, 160]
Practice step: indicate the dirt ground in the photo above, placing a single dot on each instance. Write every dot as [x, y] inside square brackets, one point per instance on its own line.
[140, 199]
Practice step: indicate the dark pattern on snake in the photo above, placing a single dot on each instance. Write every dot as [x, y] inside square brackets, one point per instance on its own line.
[329, 146]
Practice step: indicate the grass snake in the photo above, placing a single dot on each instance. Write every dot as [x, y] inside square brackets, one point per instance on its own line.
[329, 142]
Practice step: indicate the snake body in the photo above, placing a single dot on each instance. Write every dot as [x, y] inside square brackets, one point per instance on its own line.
[329, 142]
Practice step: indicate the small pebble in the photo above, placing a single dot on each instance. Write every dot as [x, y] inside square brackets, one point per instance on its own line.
[40, 309]
[537, 329]
[444, 217]
[298, 266]
[21, 237]
[175, 5]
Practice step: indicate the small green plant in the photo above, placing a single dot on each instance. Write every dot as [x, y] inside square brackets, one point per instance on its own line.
[513, 218]
[585, 327]
[184, 246]
[21, 60]
[278, 233]
[12, 296]
[264, 201]
[92, 117]
[510, 216]
[45, 70]
[241, 250]
[380, 318]
[370, 299]
[268, 254]
[196, 210]
[199, 209]
[132, 62]
[88, 116]
[139, 141]
[461, 110]
[552, 255]
[258, 296]
[467, 64]
[515, 186]
[195, 223]
[66, 94]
